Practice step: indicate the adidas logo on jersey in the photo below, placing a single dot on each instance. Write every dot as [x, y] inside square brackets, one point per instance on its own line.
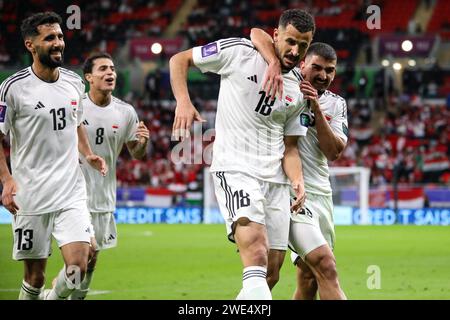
[111, 237]
[253, 78]
[85, 122]
[40, 105]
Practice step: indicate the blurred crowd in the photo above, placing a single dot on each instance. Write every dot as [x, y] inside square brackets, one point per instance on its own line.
[397, 134]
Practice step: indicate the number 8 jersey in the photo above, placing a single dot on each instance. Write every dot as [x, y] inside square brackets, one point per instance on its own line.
[108, 128]
[42, 119]
[250, 127]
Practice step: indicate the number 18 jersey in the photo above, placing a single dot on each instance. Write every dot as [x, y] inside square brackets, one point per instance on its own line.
[250, 127]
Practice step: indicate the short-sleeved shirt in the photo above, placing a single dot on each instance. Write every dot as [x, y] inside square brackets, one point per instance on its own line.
[315, 163]
[250, 127]
[108, 128]
[42, 119]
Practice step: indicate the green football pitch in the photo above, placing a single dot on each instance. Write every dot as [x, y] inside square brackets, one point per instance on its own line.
[173, 262]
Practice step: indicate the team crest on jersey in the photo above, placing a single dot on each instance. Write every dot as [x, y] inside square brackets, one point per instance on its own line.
[115, 127]
[209, 49]
[328, 118]
[2, 111]
[306, 120]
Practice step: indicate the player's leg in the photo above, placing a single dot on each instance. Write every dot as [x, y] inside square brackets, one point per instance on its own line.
[275, 262]
[105, 236]
[33, 279]
[72, 232]
[32, 244]
[277, 224]
[241, 204]
[251, 240]
[312, 241]
[323, 264]
[306, 281]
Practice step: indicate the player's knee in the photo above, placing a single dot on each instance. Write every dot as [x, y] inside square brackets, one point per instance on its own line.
[327, 268]
[259, 254]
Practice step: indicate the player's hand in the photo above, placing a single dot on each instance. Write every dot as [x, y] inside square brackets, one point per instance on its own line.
[9, 191]
[142, 133]
[310, 93]
[97, 163]
[300, 194]
[273, 81]
[185, 114]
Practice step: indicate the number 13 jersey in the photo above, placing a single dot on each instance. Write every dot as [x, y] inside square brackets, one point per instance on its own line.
[42, 119]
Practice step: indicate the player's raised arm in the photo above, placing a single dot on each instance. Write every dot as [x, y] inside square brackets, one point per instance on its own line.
[9, 185]
[273, 80]
[292, 166]
[85, 149]
[185, 112]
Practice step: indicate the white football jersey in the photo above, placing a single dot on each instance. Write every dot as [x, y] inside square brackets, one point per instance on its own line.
[108, 128]
[250, 127]
[42, 119]
[315, 163]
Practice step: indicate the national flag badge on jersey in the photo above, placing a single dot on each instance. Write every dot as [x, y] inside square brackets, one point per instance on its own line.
[288, 100]
[115, 127]
[3, 108]
[74, 104]
[328, 118]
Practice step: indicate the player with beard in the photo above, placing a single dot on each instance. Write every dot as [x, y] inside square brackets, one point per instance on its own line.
[255, 151]
[40, 108]
[312, 235]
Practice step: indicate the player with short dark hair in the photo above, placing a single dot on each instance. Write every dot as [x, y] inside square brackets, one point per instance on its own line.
[256, 138]
[110, 123]
[40, 108]
[312, 234]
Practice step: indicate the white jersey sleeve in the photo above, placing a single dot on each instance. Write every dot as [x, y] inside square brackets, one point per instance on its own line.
[133, 122]
[7, 108]
[339, 123]
[214, 58]
[293, 126]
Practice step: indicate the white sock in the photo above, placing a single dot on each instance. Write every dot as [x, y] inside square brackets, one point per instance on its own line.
[28, 292]
[63, 287]
[241, 295]
[254, 284]
[80, 294]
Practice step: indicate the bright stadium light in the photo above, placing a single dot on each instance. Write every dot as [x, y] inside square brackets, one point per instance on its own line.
[397, 66]
[156, 48]
[412, 62]
[385, 63]
[407, 45]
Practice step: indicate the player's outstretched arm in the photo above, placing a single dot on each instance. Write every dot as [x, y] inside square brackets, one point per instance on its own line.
[292, 166]
[85, 149]
[9, 185]
[185, 112]
[273, 80]
[138, 148]
[330, 144]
